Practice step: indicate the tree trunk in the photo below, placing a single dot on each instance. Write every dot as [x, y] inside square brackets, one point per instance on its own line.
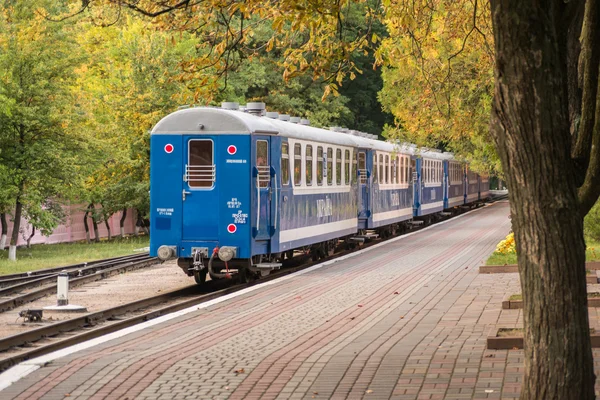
[95, 223]
[122, 222]
[85, 224]
[530, 125]
[4, 231]
[106, 217]
[138, 222]
[30, 236]
[12, 250]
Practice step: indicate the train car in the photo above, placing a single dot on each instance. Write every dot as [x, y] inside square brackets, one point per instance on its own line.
[428, 183]
[231, 189]
[237, 192]
[484, 187]
[471, 186]
[454, 184]
[391, 186]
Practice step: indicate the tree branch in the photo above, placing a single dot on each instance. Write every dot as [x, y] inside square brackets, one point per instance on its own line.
[590, 190]
[589, 62]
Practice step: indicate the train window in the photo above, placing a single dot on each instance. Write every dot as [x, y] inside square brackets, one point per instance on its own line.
[354, 166]
[285, 164]
[374, 167]
[387, 169]
[402, 173]
[309, 165]
[362, 167]
[381, 174]
[200, 169]
[406, 170]
[297, 164]
[319, 165]
[329, 166]
[338, 167]
[347, 167]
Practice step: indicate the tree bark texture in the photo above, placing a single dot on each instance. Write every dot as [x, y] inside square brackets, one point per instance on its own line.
[14, 238]
[122, 222]
[4, 233]
[85, 224]
[30, 237]
[531, 127]
[95, 223]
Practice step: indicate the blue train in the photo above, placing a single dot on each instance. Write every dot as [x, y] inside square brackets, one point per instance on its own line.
[237, 191]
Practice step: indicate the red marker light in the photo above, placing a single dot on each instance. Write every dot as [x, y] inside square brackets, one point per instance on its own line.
[231, 228]
[231, 149]
[169, 148]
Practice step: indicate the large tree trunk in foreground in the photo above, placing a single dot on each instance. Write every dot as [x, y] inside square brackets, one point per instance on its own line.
[4, 233]
[530, 125]
[14, 238]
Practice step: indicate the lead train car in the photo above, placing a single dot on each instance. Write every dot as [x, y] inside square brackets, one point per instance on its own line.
[232, 190]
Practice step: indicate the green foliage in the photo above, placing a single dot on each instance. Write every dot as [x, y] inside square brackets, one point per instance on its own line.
[125, 87]
[591, 225]
[40, 156]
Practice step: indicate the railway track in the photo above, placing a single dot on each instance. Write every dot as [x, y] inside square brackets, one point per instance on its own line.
[25, 291]
[43, 340]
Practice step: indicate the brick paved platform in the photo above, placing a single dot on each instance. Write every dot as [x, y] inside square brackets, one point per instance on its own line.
[405, 320]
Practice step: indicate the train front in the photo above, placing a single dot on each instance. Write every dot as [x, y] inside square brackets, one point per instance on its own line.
[200, 173]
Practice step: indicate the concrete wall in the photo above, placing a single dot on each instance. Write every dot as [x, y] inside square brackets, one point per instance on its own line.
[73, 230]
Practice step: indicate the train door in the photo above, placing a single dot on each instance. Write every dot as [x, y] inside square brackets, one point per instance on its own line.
[415, 164]
[263, 188]
[363, 188]
[446, 183]
[199, 190]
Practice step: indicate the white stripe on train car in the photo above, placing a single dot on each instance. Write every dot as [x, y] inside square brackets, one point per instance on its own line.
[392, 214]
[432, 205]
[473, 196]
[316, 230]
[456, 200]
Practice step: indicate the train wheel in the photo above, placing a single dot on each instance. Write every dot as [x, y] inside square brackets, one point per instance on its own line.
[289, 254]
[200, 276]
[244, 275]
[331, 247]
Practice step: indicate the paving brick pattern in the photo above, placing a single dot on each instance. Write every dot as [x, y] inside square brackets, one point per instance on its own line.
[407, 320]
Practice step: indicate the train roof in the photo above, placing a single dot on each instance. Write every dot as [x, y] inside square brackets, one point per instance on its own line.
[216, 121]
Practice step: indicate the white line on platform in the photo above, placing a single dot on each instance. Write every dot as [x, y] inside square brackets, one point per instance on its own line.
[25, 368]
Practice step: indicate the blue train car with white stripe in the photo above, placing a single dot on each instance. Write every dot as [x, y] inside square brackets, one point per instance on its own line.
[429, 183]
[238, 191]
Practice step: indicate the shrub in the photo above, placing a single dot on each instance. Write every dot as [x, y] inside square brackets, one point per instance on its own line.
[591, 224]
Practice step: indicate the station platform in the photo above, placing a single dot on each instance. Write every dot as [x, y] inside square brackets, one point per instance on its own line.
[404, 319]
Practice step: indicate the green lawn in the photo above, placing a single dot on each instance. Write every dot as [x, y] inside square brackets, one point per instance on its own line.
[53, 255]
[592, 254]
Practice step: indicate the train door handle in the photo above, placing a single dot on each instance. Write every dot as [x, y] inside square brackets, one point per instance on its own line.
[184, 193]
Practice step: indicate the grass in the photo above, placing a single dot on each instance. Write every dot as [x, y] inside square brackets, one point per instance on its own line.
[41, 256]
[592, 254]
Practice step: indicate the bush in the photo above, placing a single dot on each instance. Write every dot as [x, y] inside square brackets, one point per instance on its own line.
[591, 224]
